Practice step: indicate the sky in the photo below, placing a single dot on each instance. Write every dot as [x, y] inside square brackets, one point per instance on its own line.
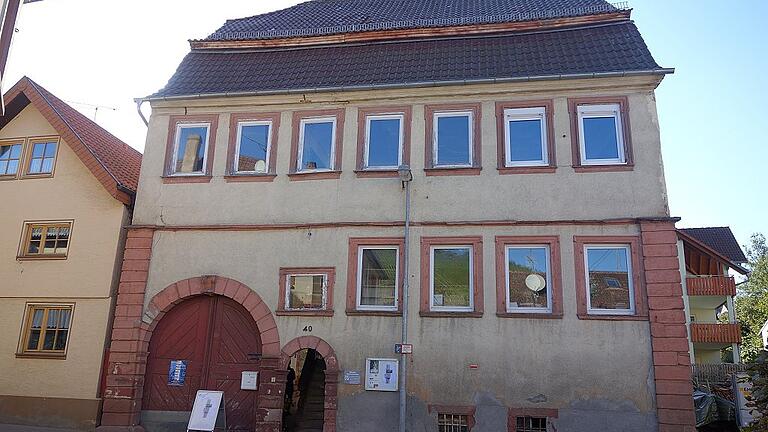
[712, 112]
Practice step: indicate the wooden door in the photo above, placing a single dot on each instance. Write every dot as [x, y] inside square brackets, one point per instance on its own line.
[219, 340]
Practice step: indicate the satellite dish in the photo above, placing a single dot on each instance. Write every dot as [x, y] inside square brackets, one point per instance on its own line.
[535, 282]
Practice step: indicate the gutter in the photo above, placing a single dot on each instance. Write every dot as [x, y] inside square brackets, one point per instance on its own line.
[656, 71]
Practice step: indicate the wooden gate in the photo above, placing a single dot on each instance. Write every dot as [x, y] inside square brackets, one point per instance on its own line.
[219, 340]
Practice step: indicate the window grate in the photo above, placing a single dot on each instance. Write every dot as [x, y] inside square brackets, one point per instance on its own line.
[531, 424]
[452, 423]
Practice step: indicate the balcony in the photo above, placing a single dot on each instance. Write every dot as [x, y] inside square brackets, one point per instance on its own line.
[716, 333]
[711, 286]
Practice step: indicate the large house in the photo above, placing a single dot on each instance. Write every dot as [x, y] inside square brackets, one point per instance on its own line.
[268, 256]
[68, 188]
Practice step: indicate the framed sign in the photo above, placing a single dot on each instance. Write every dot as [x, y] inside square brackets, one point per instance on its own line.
[352, 377]
[205, 411]
[381, 374]
[177, 373]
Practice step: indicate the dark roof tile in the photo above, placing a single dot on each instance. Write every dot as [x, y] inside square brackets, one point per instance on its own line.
[720, 239]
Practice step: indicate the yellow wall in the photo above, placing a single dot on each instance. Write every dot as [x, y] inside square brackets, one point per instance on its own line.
[85, 278]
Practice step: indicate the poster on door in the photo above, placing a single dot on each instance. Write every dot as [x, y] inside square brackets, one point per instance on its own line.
[177, 373]
[381, 374]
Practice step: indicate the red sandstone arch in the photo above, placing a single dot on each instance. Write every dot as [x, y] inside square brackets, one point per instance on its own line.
[331, 373]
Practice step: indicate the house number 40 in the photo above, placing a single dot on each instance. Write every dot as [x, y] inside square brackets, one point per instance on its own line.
[308, 329]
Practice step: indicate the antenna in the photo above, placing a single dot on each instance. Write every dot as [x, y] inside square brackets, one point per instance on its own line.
[94, 106]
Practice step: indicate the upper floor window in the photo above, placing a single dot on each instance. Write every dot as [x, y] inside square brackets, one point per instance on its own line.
[453, 278]
[42, 157]
[528, 278]
[317, 144]
[46, 330]
[46, 240]
[190, 151]
[452, 145]
[600, 134]
[377, 278]
[306, 291]
[608, 270]
[383, 142]
[252, 151]
[10, 157]
[525, 137]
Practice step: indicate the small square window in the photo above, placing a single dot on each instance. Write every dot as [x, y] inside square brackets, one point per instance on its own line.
[608, 270]
[317, 144]
[46, 329]
[252, 150]
[190, 155]
[42, 157]
[452, 135]
[525, 131]
[46, 240]
[10, 156]
[383, 141]
[306, 292]
[451, 285]
[377, 278]
[530, 424]
[452, 422]
[529, 280]
[601, 139]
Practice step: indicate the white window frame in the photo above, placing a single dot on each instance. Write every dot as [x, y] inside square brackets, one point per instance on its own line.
[300, 155]
[630, 279]
[598, 111]
[437, 308]
[548, 251]
[358, 288]
[288, 291]
[522, 114]
[240, 126]
[436, 144]
[176, 145]
[368, 119]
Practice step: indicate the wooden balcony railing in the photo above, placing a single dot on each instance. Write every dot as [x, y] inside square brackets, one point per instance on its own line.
[711, 286]
[716, 333]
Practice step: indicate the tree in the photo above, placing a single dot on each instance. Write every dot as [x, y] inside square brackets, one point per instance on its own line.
[752, 299]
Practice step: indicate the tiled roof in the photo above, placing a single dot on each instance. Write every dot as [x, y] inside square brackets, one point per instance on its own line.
[326, 17]
[720, 239]
[595, 49]
[114, 163]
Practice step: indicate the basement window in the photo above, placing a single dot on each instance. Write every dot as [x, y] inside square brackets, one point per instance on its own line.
[452, 422]
[191, 149]
[530, 424]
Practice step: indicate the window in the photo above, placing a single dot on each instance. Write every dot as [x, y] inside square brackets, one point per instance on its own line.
[600, 134]
[306, 291]
[46, 329]
[42, 157]
[530, 424]
[453, 139]
[528, 279]
[525, 137]
[452, 281]
[609, 278]
[191, 149]
[383, 142]
[452, 422]
[317, 144]
[377, 278]
[46, 240]
[10, 156]
[252, 152]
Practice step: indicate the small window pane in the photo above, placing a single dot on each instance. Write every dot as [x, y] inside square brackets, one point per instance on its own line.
[451, 278]
[378, 277]
[600, 140]
[35, 166]
[528, 277]
[13, 167]
[306, 292]
[254, 142]
[50, 150]
[525, 141]
[4, 167]
[531, 424]
[9, 159]
[317, 146]
[16, 151]
[452, 423]
[453, 140]
[61, 340]
[191, 149]
[34, 339]
[609, 280]
[384, 142]
[38, 150]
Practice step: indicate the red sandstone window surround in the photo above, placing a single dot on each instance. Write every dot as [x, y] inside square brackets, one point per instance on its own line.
[530, 419]
[371, 163]
[614, 111]
[451, 277]
[374, 276]
[609, 278]
[190, 148]
[439, 121]
[306, 291]
[528, 277]
[315, 133]
[454, 418]
[252, 149]
[541, 112]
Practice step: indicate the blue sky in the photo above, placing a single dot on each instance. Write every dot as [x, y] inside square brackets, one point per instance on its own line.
[711, 111]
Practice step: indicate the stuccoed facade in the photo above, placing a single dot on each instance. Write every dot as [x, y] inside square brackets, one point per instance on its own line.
[229, 238]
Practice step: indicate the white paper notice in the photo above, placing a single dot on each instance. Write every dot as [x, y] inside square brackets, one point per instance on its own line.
[205, 410]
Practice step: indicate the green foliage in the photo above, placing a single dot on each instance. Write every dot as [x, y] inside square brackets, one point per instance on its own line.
[757, 400]
[752, 300]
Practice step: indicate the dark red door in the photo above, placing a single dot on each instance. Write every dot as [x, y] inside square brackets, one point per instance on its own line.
[219, 340]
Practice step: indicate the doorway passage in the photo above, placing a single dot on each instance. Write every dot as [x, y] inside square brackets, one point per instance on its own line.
[305, 392]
